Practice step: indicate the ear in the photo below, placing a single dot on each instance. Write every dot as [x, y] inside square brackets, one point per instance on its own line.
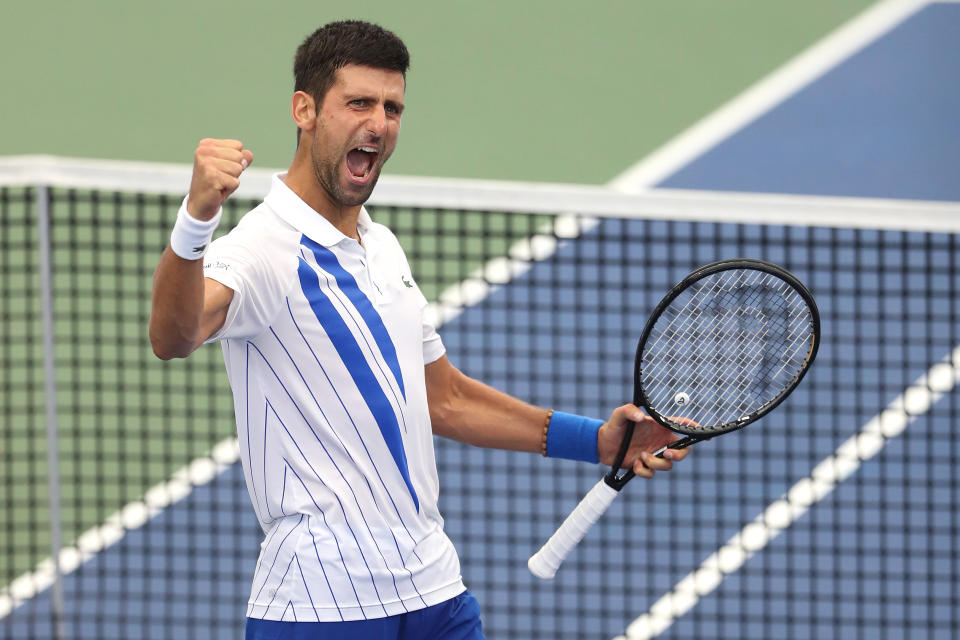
[303, 110]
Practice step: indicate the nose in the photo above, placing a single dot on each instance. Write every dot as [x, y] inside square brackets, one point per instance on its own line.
[377, 123]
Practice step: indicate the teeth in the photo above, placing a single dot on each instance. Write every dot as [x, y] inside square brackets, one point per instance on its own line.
[368, 149]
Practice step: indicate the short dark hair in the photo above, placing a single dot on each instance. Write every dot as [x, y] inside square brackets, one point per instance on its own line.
[338, 44]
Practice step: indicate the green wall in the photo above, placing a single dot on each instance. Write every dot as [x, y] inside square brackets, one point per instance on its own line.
[509, 89]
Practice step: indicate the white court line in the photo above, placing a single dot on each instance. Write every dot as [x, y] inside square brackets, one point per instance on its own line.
[915, 401]
[692, 143]
[767, 93]
[132, 516]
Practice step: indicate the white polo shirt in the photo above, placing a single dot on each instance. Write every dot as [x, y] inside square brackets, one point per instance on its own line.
[325, 344]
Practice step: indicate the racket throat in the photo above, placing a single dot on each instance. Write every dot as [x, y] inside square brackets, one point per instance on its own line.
[618, 477]
[682, 443]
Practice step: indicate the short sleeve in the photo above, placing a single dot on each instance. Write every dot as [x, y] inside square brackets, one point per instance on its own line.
[433, 347]
[253, 264]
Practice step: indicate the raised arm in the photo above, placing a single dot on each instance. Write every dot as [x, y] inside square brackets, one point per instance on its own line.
[188, 308]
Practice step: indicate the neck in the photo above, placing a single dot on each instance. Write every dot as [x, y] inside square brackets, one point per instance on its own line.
[303, 182]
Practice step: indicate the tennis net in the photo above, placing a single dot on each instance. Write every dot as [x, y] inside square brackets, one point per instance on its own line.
[123, 511]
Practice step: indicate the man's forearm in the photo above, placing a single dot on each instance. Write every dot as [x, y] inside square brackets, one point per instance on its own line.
[469, 411]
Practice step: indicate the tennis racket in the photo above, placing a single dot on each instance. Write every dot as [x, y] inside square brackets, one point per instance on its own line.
[723, 348]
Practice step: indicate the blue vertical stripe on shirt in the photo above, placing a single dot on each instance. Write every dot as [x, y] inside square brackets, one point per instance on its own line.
[348, 284]
[359, 369]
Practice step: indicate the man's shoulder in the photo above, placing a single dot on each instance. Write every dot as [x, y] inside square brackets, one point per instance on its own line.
[262, 220]
[261, 246]
[384, 235]
[260, 230]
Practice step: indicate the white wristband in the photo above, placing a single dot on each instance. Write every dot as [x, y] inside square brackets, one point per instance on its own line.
[191, 237]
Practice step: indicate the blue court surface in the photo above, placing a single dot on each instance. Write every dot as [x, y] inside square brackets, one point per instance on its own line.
[877, 557]
[882, 124]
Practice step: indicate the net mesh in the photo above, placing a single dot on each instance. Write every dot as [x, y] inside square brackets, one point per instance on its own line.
[160, 539]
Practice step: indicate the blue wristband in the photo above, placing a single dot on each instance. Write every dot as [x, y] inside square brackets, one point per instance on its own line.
[572, 437]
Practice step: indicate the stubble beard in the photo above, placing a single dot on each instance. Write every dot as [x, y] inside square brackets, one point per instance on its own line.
[327, 174]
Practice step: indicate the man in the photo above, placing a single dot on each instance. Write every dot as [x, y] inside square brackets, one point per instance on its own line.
[338, 380]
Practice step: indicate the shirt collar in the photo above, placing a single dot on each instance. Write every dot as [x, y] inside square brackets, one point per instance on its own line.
[302, 217]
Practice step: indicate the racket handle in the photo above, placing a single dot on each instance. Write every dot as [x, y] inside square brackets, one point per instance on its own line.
[544, 563]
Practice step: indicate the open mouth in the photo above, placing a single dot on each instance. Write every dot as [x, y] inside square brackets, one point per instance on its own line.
[360, 161]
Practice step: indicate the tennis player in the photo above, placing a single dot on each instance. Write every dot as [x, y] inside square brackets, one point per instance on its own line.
[339, 382]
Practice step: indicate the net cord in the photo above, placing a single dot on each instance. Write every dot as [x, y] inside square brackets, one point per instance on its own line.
[508, 196]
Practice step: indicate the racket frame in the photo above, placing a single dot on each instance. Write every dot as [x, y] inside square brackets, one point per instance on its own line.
[545, 562]
[617, 477]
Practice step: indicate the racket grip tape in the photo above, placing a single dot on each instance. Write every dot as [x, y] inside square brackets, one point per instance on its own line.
[545, 562]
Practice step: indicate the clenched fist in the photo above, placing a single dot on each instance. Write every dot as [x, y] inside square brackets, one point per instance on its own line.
[217, 165]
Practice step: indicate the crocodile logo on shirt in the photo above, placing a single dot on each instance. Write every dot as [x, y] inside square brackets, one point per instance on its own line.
[406, 282]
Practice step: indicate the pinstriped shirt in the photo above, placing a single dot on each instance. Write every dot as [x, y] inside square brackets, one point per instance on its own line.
[325, 344]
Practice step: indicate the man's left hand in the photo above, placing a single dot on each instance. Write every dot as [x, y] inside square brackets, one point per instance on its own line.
[648, 436]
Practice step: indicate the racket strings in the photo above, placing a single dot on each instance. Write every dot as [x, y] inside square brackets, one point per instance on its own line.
[744, 363]
[740, 388]
[731, 343]
[690, 326]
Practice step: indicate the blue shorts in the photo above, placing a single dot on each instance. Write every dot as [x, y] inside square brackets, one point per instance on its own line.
[455, 619]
